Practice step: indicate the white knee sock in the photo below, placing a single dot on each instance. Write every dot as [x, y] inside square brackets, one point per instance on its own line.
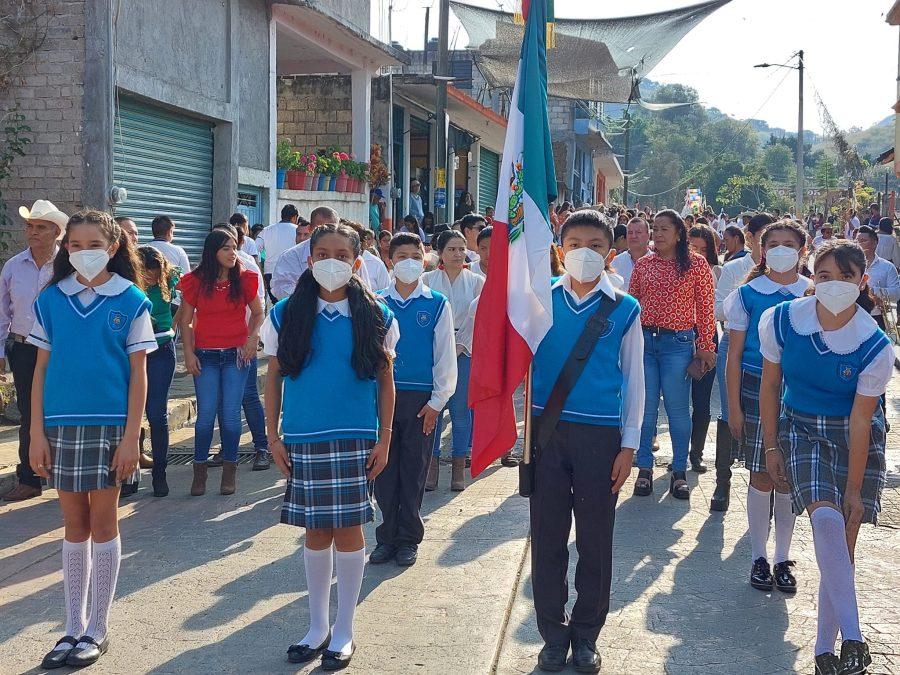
[836, 571]
[350, 566]
[827, 630]
[758, 521]
[104, 574]
[318, 566]
[784, 526]
[76, 560]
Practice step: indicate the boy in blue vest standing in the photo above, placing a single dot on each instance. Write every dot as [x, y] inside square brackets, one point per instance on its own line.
[583, 463]
[425, 379]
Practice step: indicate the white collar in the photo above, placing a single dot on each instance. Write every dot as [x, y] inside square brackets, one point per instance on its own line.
[877, 260]
[603, 284]
[341, 307]
[844, 340]
[767, 286]
[420, 290]
[115, 286]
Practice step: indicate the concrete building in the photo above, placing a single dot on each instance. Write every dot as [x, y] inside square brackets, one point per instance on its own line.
[177, 102]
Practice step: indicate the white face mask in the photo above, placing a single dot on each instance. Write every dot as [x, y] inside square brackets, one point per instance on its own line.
[782, 258]
[836, 296]
[409, 270]
[584, 264]
[89, 263]
[331, 273]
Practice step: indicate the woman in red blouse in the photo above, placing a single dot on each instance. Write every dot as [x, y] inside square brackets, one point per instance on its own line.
[675, 290]
[219, 344]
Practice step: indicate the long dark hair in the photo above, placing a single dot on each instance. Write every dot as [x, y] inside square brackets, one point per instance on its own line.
[849, 257]
[125, 262]
[786, 225]
[299, 318]
[705, 233]
[208, 269]
[682, 252]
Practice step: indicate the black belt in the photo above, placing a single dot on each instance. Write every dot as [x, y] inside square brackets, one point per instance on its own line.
[656, 330]
[15, 337]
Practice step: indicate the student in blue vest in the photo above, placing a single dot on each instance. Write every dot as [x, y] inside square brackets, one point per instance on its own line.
[330, 346]
[824, 433]
[85, 438]
[425, 377]
[589, 456]
[774, 280]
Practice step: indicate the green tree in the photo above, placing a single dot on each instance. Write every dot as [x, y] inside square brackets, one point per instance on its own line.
[779, 163]
[826, 173]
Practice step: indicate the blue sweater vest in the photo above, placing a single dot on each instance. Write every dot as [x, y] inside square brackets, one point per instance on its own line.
[417, 319]
[816, 380]
[327, 401]
[755, 303]
[597, 396]
[89, 370]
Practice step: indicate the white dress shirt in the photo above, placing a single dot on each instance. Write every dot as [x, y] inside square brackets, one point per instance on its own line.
[174, 254]
[460, 292]
[379, 279]
[269, 336]
[20, 283]
[884, 281]
[873, 380]
[736, 314]
[466, 333]
[250, 264]
[888, 249]
[249, 247]
[444, 371]
[623, 264]
[415, 206]
[734, 273]
[631, 363]
[291, 266]
[141, 337]
[275, 240]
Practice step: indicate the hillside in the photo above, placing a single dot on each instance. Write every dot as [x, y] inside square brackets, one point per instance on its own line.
[869, 142]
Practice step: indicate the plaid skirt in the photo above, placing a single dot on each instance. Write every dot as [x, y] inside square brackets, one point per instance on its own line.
[817, 455]
[81, 457]
[328, 487]
[751, 449]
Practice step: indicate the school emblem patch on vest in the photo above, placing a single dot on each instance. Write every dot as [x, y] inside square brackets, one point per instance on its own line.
[846, 372]
[117, 320]
[423, 318]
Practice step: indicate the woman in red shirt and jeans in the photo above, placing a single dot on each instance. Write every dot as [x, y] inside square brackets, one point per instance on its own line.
[675, 290]
[219, 344]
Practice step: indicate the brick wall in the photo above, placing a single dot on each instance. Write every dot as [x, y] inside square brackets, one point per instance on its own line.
[48, 91]
[560, 114]
[314, 111]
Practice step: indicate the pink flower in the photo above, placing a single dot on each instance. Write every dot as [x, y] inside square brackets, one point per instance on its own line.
[344, 156]
[311, 168]
[336, 155]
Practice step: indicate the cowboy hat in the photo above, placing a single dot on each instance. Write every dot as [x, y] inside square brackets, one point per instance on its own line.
[45, 210]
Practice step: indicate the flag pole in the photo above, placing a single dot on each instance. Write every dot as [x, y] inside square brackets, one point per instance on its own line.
[526, 466]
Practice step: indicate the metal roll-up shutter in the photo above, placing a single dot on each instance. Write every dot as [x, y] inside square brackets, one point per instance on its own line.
[488, 175]
[165, 161]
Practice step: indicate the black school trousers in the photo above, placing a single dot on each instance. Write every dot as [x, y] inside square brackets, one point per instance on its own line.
[22, 359]
[573, 476]
[400, 487]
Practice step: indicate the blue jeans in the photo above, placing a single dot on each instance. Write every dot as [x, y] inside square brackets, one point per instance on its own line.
[666, 358]
[721, 361]
[460, 414]
[253, 410]
[220, 389]
[160, 371]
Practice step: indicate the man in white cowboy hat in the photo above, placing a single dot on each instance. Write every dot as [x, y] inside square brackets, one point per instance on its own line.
[22, 278]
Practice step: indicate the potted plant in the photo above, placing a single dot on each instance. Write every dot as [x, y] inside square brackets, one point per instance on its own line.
[282, 162]
[322, 170]
[295, 174]
[342, 160]
[311, 180]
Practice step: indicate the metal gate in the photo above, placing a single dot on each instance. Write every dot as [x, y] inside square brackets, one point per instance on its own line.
[250, 203]
[165, 161]
[488, 175]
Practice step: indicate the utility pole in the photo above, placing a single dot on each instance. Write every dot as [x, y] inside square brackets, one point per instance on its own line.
[800, 176]
[626, 158]
[425, 47]
[441, 112]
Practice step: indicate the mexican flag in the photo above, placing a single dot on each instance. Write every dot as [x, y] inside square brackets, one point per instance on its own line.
[515, 312]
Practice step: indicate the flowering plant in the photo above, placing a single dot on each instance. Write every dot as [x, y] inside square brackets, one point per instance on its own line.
[377, 170]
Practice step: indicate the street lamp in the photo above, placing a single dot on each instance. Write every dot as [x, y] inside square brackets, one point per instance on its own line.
[799, 69]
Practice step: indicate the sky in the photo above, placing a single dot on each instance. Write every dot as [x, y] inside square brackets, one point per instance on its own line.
[850, 54]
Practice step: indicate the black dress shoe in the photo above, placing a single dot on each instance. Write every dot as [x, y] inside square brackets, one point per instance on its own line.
[127, 490]
[382, 553]
[87, 655]
[681, 490]
[407, 555]
[721, 497]
[697, 466]
[643, 486]
[305, 653]
[827, 664]
[160, 486]
[552, 658]
[57, 658]
[509, 460]
[261, 461]
[215, 460]
[585, 658]
[761, 575]
[337, 660]
[784, 580]
[855, 658]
